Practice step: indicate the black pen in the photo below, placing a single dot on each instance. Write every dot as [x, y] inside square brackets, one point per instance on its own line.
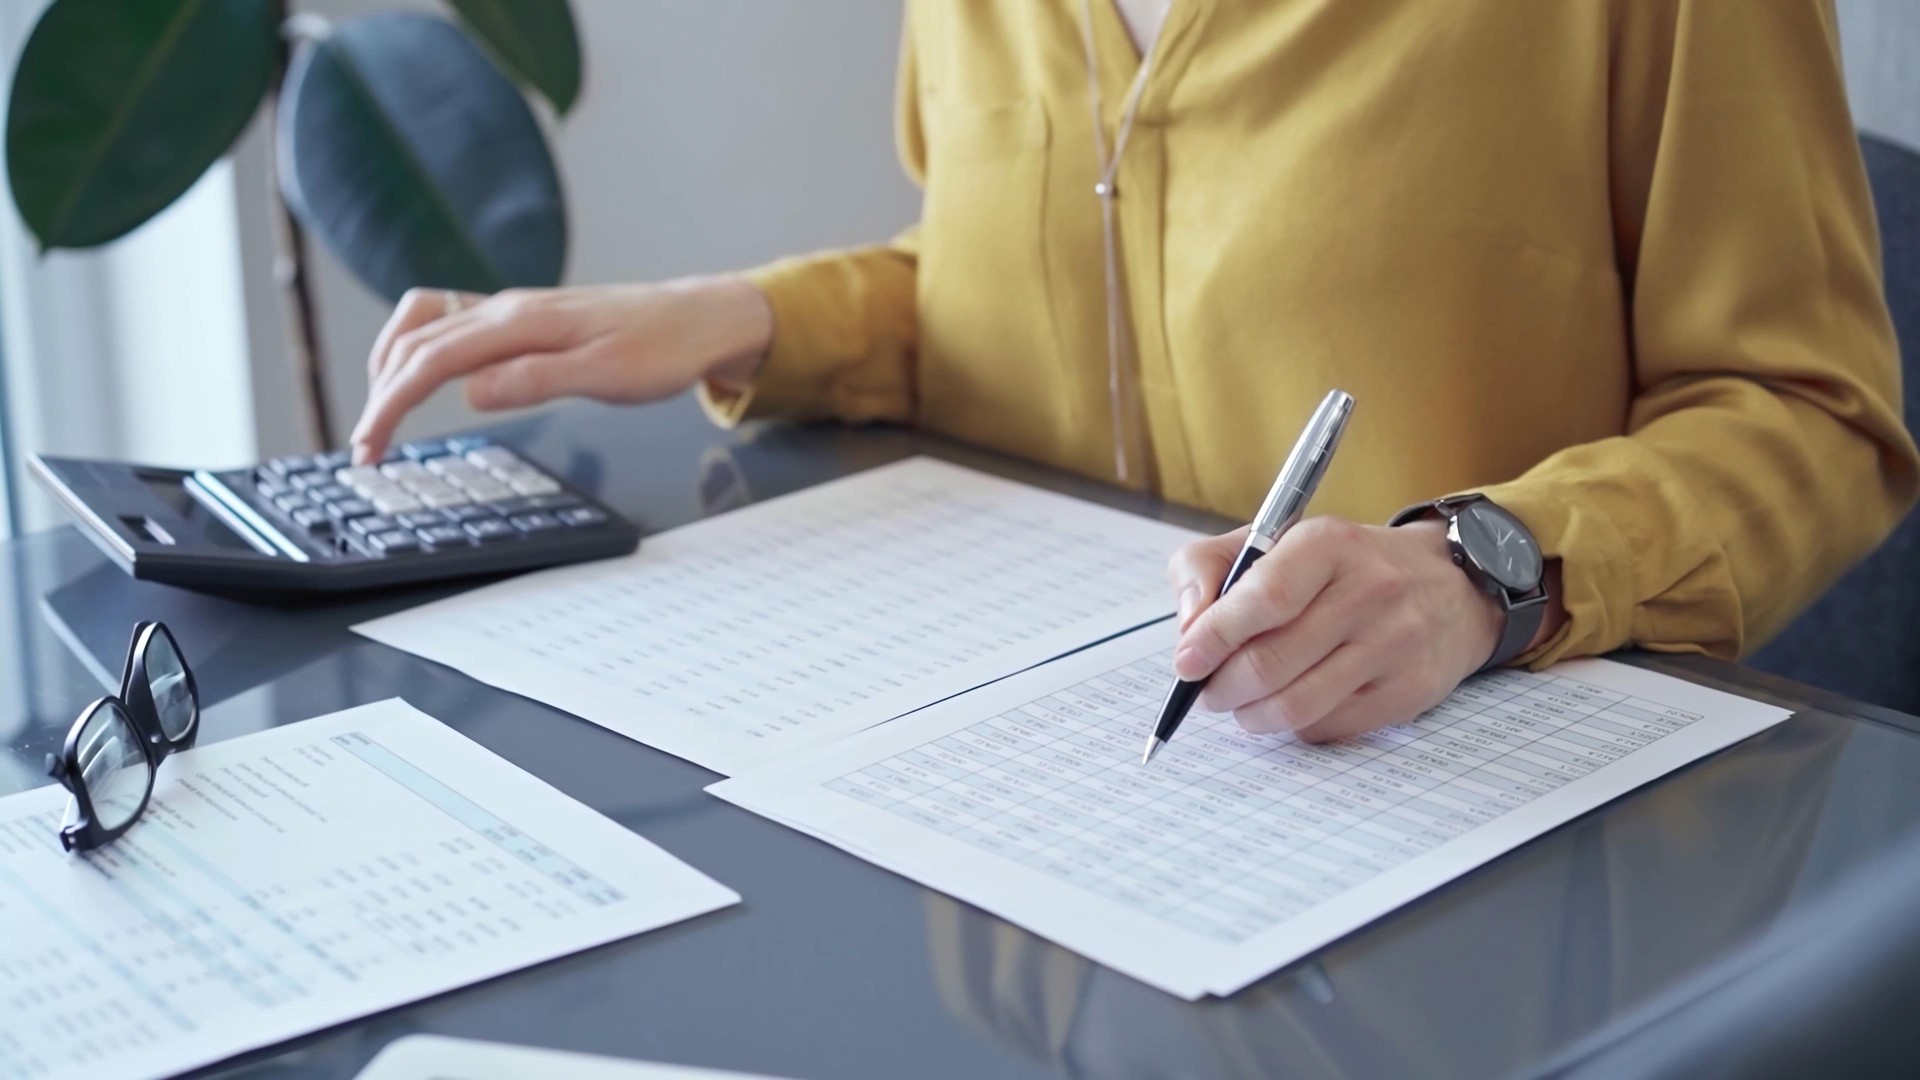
[1286, 504]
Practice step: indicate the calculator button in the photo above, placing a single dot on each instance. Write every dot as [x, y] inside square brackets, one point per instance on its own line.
[397, 502]
[492, 457]
[405, 472]
[460, 444]
[329, 493]
[292, 463]
[383, 489]
[450, 464]
[304, 480]
[527, 504]
[420, 519]
[431, 485]
[489, 491]
[442, 500]
[355, 475]
[425, 448]
[332, 459]
[535, 523]
[448, 535]
[367, 526]
[289, 503]
[582, 517]
[533, 485]
[468, 512]
[348, 509]
[393, 542]
[314, 520]
[487, 529]
[273, 489]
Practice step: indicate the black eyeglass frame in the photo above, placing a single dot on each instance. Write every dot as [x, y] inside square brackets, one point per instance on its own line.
[135, 702]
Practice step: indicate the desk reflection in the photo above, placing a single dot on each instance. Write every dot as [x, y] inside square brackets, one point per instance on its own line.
[1487, 974]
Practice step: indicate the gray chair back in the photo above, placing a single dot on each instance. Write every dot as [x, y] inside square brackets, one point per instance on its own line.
[1862, 638]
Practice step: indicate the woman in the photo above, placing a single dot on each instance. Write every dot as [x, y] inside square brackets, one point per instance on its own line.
[1610, 264]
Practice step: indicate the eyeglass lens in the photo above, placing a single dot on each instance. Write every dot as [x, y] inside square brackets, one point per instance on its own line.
[112, 766]
[166, 675]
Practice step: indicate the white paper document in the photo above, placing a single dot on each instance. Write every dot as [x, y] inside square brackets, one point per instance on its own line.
[740, 639]
[1232, 854]
[436, 1057]
[296, 878]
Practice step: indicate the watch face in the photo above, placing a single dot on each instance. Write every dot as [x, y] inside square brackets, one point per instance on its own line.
[1500, 545]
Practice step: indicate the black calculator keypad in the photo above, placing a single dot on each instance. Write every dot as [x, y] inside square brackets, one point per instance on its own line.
[434, 495]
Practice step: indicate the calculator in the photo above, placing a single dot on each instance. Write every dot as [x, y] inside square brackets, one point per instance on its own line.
[316, 523]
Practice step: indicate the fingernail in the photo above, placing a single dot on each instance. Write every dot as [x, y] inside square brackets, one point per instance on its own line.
[1189, 600]
[1187, 663]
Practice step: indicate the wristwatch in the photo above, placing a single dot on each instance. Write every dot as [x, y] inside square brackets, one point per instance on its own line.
[1500, 556]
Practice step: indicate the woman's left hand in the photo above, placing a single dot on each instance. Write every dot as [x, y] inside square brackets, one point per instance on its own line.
[1340, 629]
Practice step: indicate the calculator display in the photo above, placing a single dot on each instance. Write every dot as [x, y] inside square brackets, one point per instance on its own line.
[204, 523]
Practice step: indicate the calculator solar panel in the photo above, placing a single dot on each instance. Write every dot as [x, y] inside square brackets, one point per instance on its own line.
[433, 509]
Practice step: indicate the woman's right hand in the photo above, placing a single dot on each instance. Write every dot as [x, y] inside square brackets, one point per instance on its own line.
[625, 343]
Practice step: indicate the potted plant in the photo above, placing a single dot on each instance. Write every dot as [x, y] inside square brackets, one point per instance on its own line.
[400, 139]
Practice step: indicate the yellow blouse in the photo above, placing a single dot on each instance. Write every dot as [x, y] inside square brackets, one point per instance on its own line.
[1612, 262]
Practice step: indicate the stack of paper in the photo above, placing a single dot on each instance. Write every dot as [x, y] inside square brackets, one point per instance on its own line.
[299, 877]
[745, 638]
[1232, 854]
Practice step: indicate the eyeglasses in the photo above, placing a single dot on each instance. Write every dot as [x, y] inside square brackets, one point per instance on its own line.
[111, 756]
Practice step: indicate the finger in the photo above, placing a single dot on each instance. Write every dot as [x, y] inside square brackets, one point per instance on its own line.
[417, 308]
[1274, 592]
[1273, 660]
[408, 344]
[459, 351]
[368, 443]
[1197, 569]
[529, 380]
[1378, 704]
[1308, 699]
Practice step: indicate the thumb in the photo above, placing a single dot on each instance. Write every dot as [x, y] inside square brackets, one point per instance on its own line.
[1197, 569]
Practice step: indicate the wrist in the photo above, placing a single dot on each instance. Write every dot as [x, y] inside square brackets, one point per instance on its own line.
[739, 321]
[1485, 617]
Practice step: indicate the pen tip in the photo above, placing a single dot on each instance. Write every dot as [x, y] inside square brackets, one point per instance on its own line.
[1153, 747]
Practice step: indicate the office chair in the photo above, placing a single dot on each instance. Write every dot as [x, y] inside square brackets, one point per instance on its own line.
[1862, 638]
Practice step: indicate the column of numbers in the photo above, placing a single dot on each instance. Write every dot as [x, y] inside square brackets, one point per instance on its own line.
[1227, 834]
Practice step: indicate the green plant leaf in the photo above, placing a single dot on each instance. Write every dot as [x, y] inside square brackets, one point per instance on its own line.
[416, 161]
[117, 108]
[534, 40]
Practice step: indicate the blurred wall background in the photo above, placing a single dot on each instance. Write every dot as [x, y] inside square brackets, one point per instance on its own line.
[1881, 42]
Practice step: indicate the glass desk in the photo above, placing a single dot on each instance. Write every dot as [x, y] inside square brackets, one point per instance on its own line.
[834, 968]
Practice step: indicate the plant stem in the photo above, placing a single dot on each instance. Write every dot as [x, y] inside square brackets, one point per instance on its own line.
[290, 273]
